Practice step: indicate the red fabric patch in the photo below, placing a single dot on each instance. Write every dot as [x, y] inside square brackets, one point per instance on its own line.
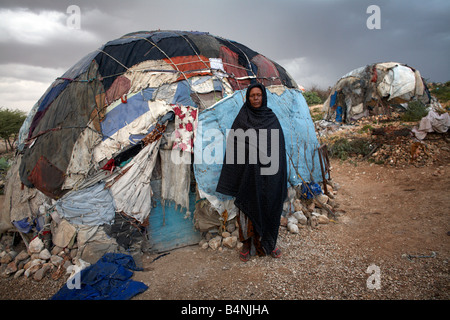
[47, 178]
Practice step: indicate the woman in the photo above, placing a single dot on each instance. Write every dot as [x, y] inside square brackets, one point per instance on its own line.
[258, 196]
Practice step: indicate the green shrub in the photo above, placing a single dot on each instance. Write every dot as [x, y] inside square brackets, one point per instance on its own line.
[415, 111]
[342, 148]
[4, 166]
[441, 91]
[317, 116]
[366, 128]
[312, 98]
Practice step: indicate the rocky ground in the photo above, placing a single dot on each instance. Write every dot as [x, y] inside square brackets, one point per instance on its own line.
[395, 219]
[391, 242]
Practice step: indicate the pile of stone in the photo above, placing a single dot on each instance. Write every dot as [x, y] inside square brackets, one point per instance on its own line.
[229, 238]
[37, 261]
[403, 152]
[392, 141]
[307, 213]
[298, 213]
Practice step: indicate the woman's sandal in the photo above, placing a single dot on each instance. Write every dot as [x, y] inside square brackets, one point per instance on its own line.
[244, 256]
[276, 253]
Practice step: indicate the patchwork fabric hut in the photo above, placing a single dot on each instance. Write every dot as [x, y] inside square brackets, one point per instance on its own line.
[371, 89]
[124, 143]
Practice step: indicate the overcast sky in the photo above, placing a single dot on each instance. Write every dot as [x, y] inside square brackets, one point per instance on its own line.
[316, 41]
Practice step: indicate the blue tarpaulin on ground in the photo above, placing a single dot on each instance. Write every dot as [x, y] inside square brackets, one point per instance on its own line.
[108, 279]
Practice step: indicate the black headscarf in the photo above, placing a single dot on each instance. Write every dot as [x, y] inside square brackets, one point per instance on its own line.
[259, 196]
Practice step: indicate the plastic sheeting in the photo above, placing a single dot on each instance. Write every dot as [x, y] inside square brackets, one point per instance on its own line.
[176, 174]
[82, 162]
[403, 82]
[150, 73]
[90, 206]
[108, 279]
[131, 189]
[23, 203]
[141, 125]
[371, 89]
[432, 122]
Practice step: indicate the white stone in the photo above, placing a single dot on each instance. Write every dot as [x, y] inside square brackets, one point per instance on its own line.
[215, 242]
[205, 245]
[39, 274]
[230, 242]
[31, 270]
[19, 273]
[77, 267]
[301, 218]
[322, 198]
[56, 260]
[292, 219]
[226, 234]
[322, 219]
[293, 228]
[21, 256]
[298, 206]
[45, 254]
[35, 246]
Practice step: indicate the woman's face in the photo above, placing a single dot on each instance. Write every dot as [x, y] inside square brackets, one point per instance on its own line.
[255, 97]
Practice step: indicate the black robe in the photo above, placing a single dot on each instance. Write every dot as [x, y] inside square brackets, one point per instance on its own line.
[259, 196]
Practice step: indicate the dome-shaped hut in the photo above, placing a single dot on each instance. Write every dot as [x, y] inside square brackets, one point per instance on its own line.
[116, 139]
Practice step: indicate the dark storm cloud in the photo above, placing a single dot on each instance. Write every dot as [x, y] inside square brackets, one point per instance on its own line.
[316, 41]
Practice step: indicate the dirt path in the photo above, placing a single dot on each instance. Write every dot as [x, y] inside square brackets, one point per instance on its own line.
[396, 220]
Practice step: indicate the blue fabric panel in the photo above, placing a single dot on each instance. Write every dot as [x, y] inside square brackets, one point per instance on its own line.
[168, 227]
[23, 225]
[108, 279]
[53, 94]
[124, 114]
[148, 93]
[158, 36]
[298, 128]
[333, 99]
[197, 33]
[126, 40]
[136, 138]
[217, 84]
[81, 66]
[309, 190]
[339, 114]
[183, 95]
[90, 206]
